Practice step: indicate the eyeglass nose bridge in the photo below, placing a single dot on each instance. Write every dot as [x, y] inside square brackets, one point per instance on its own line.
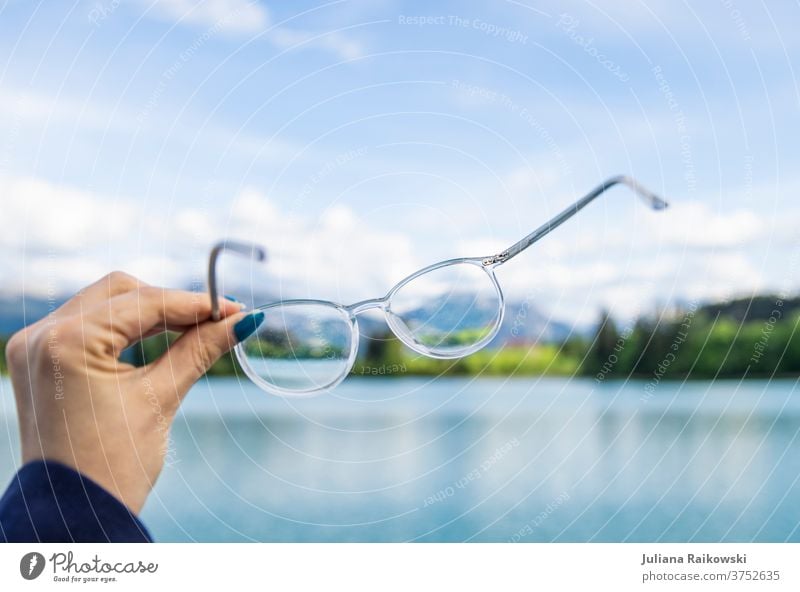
[363, 305]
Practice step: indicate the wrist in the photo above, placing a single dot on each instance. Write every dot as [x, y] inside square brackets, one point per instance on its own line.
[126, 486]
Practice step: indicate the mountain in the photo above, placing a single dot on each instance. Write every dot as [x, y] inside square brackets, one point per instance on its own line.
[755, 308]
[523, 323]
[17, 312]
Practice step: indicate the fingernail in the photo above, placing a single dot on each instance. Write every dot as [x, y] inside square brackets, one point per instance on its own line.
[233, 299]
[248, 325]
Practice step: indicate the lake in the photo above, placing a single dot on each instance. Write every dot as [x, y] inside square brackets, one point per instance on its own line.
[461, 459]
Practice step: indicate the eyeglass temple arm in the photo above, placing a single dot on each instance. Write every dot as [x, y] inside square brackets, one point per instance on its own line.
[648, 196]
[251, 250]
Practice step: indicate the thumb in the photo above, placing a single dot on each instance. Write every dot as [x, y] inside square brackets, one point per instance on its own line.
[197, 349]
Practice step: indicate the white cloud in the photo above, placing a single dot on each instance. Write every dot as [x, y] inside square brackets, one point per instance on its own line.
[695, 224]
[41, 275]
[243, 17]
[331, 255]
[230, 16]
[31, 108]
[40, 215]
[69, 237]
[684, 225]
[723, 275]
[523, 182]
[336, 42]
[635, 259]
[159, 270]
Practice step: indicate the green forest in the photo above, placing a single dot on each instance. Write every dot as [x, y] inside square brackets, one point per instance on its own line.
[741, 338]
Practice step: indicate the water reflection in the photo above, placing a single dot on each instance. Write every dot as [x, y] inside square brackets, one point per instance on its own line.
[484, 460]
[488, 460]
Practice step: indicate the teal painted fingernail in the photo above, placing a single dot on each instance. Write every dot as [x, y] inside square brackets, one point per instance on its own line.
[248, 325]
[233, 299]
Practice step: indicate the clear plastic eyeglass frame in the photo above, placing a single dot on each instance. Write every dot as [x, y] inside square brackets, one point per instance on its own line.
[305, 347]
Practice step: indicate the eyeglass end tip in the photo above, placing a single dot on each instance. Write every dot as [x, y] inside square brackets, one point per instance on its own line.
[660, 204]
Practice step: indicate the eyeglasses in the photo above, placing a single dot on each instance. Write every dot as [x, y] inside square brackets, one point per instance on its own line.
[447, 310]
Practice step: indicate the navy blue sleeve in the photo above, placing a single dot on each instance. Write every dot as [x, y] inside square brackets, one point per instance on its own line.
[48, 502]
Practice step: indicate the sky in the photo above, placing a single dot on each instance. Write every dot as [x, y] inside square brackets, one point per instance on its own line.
[360, 141]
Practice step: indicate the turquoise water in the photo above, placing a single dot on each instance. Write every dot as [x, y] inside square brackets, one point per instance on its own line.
[414, 459]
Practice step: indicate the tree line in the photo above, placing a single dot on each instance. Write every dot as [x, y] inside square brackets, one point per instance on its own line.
[753, 337]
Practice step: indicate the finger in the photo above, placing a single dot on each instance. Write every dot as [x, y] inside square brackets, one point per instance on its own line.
[136, 314]
[196, 350]
[171, 328]
[182, 328]
[107, 287]
[174, 328]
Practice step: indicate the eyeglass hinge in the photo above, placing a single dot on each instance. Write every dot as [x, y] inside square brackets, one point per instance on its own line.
[495, 258]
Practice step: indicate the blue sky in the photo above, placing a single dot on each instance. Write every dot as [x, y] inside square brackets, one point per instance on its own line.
[359, 141]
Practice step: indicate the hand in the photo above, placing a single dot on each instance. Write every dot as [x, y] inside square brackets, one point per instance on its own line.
[79, 405]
